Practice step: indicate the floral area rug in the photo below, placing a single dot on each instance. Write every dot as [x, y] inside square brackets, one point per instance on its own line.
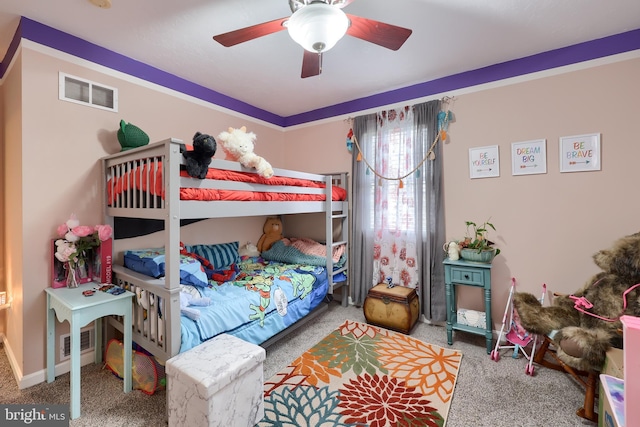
[362, 375]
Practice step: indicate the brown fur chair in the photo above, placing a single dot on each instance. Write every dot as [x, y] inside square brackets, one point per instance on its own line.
[582, 327]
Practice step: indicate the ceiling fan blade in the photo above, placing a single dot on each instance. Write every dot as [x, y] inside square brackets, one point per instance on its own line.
[242, 35]
[311, 64]
[385, 35]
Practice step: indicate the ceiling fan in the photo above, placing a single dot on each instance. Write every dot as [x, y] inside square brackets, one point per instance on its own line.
[317, 25]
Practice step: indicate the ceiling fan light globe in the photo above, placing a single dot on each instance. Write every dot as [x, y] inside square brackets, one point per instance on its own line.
[317, 27]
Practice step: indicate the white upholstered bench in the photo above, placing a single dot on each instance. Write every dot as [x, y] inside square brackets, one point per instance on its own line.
[218, 383]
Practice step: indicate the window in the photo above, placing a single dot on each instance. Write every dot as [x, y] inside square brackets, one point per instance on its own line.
[398, 208]
[80, 91]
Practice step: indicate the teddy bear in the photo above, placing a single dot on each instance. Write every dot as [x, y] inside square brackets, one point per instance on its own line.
[583, 326]
[199, 159]
[272, 233]
[238, 144]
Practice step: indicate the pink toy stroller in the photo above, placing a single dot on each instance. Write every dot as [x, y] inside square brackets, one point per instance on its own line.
[516, 335]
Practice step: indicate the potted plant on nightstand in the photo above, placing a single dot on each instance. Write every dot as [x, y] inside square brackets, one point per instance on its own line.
[476, 246]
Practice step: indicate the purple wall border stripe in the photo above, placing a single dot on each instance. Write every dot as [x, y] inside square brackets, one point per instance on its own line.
[599, 48]
[67, 43]
[11, 51]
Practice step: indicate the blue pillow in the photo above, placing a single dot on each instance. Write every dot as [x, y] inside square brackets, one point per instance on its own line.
[150, 262]
[220, 255]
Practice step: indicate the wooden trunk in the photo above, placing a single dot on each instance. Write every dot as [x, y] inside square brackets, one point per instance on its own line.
[394, 308]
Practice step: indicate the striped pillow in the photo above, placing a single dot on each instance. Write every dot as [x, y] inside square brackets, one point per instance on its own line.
[220, 255]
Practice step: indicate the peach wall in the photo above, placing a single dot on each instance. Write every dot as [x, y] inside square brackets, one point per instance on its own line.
[319, 148]
[64, 142]
[3, 282]
[14, 205]
[548, 226]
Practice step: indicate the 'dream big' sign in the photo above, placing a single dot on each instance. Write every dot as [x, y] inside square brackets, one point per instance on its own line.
[529, 157]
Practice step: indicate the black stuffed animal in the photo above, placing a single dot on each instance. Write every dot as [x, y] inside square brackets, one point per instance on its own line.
[198, 159]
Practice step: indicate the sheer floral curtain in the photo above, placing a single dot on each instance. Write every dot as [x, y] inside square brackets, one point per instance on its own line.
[397, 209]
[394, 200]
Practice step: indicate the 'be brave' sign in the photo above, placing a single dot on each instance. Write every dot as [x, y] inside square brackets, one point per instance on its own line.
[580, 153]
[484, 162]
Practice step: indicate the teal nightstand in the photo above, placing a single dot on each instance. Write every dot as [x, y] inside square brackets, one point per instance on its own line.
[463, 273]
[78, 310]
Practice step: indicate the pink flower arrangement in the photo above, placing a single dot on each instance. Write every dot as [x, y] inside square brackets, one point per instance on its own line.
[75, 240]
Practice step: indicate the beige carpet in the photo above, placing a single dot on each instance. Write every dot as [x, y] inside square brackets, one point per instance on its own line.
[486, 393]
[364, 375]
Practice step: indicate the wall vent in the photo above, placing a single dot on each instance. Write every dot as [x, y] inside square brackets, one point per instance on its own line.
[81, 91]
[87, 343]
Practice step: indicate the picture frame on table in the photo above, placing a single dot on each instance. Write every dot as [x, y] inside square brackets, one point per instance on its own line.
[102, 262]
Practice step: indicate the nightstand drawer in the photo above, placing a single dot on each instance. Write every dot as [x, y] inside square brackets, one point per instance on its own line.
[471, 276]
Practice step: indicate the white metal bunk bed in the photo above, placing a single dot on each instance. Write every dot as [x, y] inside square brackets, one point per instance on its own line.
[166, 156]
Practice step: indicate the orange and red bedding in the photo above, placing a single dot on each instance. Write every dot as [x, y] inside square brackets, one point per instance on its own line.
[151, 180]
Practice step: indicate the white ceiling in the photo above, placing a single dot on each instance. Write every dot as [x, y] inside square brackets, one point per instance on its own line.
[449, 37]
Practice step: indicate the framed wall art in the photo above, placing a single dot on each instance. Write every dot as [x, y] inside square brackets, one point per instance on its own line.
[484, 162]
[580, 153]
[529, 157]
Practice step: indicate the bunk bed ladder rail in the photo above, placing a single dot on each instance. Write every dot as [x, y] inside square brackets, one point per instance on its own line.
[337, 211]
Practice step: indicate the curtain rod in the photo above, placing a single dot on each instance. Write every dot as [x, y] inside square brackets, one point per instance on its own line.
[444, 99]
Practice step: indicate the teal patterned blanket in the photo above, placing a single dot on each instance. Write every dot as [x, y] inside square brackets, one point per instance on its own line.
[288, 253]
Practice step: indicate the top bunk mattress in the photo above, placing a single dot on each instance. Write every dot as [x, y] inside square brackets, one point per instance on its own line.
[148, 179]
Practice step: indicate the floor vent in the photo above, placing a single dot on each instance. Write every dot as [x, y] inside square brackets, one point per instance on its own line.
[86, 343]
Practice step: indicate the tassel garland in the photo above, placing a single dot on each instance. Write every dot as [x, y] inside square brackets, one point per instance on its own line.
[443, 123]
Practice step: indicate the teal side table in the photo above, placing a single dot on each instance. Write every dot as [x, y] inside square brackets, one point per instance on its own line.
[78, 310]
[463, 273]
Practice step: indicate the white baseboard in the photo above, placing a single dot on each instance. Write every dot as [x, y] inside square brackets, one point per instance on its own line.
[15, 368]
[41, 375]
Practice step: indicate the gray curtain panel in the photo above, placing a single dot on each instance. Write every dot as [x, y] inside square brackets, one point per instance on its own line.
[430, 232]
[361, 262]
[430, 207]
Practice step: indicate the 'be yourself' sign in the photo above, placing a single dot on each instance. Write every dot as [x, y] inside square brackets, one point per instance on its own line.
[484, 162]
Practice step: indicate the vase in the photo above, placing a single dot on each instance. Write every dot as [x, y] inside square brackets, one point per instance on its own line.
[72, 276]
[473, 255]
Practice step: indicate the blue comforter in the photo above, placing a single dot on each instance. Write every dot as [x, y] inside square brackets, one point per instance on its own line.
[263, 299]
